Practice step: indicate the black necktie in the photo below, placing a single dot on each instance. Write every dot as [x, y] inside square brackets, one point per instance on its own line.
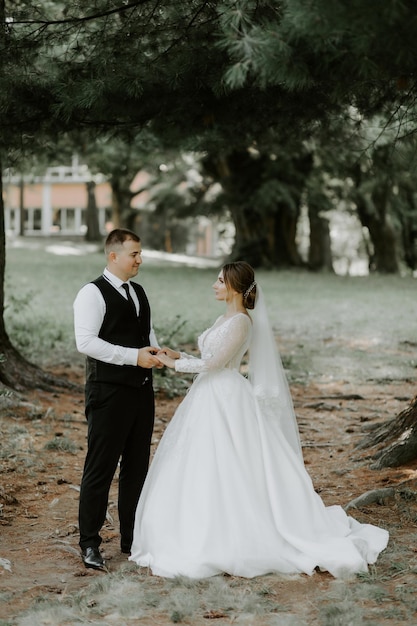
[129, 297]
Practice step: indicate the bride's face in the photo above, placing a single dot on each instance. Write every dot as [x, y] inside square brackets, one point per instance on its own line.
[220, 289]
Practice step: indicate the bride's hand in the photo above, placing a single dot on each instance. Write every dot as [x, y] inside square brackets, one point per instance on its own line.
[173, 354]
[165, 359]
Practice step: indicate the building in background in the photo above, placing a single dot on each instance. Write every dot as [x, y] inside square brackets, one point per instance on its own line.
[55, 203]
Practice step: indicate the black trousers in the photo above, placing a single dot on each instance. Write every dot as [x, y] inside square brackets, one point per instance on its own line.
[120, 424]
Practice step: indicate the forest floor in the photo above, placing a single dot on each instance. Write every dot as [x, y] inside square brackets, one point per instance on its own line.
[43, 448]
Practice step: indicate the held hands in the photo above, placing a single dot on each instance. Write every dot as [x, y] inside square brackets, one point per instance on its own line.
[147, 357]
[150, 356]
[168, 356]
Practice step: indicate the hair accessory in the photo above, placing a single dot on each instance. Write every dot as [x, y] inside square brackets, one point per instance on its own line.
[249, 289]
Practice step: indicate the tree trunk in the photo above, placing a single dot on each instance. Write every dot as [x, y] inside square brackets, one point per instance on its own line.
[320, 253]
[15, 372]
[251, 238]
[121, 200]
[373, 214]
[396, 439]
[264, 238]
[115, 208]
[408, 220]
[21, 206]
[93, 228]
[284, 248]
[385, 255]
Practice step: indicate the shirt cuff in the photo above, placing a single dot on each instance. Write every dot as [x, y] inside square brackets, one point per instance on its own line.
[132, 356]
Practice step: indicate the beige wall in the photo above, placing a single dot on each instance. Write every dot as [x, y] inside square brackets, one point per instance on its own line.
[63, 195]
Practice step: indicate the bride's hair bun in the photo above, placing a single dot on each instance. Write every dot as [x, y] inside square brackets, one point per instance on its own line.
[240, 276]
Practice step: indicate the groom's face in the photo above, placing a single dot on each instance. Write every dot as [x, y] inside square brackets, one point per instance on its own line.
[125, 261]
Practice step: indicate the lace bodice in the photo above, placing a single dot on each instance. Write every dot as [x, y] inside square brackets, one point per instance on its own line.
[221, 346]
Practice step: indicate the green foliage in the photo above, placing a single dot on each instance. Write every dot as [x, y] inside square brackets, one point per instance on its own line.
[307, 48]
[166, 382]
[172, 331]
[134, 79]
[170, 385]
[26, 324]
[192, 60]
[177, 617]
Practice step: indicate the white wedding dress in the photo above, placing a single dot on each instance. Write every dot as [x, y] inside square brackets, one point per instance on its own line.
[227, 490]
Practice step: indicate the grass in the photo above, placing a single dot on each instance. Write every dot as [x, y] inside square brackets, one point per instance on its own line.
[64, 444]
[318, 318]
[129, 596]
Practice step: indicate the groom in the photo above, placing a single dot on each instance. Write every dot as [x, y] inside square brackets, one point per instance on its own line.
[112, 322]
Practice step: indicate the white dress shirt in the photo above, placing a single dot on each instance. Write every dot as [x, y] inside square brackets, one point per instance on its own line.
[89, 311]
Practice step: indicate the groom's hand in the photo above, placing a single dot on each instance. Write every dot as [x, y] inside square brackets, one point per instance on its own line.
[147, 357]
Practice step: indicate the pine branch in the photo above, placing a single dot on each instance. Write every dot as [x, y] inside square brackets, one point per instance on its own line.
[86, 18]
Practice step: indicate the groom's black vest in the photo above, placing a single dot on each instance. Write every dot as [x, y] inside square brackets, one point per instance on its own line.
[121, 326]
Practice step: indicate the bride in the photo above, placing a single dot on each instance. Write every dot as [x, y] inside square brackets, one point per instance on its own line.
[227, 491]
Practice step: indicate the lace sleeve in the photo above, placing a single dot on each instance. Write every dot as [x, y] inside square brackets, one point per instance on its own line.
[227, 341]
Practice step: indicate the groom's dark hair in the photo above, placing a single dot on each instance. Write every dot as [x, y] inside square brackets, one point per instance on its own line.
[117, 237]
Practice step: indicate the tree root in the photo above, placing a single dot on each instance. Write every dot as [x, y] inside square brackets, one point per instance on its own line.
[18, 374]
[375, 496]
[397, 438]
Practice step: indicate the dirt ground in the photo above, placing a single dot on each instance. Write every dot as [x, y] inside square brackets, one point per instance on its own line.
[39, 485]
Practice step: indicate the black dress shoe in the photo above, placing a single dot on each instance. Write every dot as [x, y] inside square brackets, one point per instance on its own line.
[92, 558]
[125, 544]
